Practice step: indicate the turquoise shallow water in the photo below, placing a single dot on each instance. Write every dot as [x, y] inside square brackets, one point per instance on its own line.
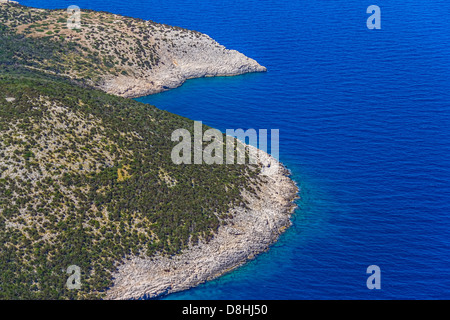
[363, 118]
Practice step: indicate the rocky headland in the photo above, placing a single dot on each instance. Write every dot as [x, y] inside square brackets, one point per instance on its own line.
[124, 56]
[182, 59]
[252, 231]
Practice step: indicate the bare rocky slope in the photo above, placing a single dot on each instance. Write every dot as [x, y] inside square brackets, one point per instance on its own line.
[125, 56]
[181, 58]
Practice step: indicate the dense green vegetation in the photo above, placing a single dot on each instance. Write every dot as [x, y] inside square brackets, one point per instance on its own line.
[87, 179]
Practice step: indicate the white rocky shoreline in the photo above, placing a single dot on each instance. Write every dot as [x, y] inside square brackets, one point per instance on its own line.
[252, 232]
[181, 59]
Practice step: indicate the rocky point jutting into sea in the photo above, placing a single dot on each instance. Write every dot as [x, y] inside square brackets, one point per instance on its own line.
[252, 231]
[129, 57]
[181, 59]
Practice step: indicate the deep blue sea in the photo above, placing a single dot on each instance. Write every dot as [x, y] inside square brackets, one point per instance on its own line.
[364, 120]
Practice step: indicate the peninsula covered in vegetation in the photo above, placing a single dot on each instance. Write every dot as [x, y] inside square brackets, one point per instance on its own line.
[86, 176]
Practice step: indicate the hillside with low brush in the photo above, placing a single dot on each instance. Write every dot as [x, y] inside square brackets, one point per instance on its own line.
[124, 56]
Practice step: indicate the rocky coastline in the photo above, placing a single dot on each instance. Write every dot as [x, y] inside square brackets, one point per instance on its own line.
[181, 59]
[125, 56]
[251, 232]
